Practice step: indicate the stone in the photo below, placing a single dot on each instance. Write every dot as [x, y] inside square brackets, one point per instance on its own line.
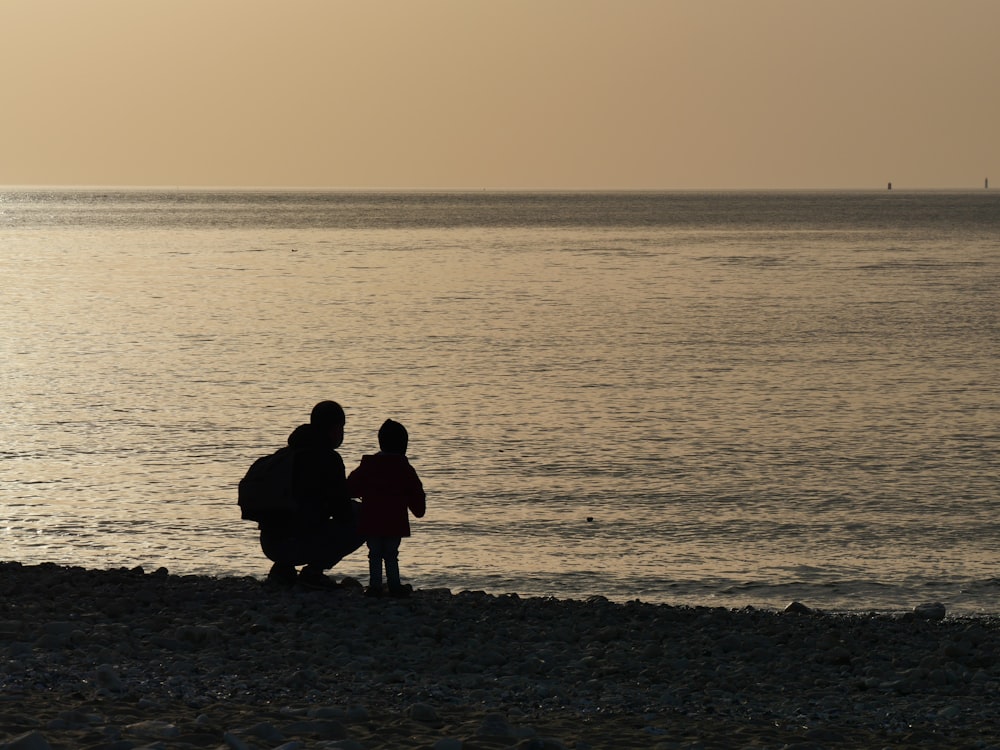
[153, 729]
[424, 713]
[494, 725]
[538, 743]
[934, 611]
[323, 728]
[266, 731]
[357, 713]
[108, 679]
[234, 743]
[28, 741]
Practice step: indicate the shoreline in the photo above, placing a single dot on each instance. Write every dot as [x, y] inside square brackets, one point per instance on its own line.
[120, 659]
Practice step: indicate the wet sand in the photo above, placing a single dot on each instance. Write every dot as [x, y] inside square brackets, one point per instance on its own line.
[122, 659]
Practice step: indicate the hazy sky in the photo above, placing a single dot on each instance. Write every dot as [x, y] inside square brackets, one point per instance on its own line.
[501, 93]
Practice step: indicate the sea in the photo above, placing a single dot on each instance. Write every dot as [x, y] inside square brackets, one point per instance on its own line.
[712, 399]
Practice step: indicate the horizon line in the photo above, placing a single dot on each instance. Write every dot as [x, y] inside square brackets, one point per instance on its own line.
[888, 187]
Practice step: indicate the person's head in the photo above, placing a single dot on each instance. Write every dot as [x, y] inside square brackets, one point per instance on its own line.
[392, 437]
[329, 418]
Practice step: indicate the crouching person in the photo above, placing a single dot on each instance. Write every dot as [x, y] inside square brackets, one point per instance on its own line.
[324, 528]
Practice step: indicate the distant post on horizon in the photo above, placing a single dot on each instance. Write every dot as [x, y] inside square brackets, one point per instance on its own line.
[890, 186]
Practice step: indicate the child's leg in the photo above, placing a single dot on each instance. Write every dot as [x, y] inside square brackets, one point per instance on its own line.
[390, 552]
[375, 563]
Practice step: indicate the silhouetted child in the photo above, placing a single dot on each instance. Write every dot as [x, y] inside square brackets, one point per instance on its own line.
[388, 487]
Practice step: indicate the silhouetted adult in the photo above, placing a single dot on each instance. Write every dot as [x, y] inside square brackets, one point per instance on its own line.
[324, 529]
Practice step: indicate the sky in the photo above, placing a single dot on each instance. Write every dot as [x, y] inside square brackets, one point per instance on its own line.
[501, 94]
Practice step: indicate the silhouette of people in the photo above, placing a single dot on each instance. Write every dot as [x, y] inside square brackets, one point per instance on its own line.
[389, 488]
[323, 530]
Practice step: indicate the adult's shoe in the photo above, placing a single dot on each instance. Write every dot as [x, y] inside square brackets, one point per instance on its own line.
[281, 576]
[313, 580]
[347, 582]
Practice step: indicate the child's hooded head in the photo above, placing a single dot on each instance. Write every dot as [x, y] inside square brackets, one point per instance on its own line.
[392, 437]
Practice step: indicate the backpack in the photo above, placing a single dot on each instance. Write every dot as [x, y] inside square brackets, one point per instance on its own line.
[266, 490]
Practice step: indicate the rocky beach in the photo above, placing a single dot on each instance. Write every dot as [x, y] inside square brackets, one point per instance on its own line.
[125, 659]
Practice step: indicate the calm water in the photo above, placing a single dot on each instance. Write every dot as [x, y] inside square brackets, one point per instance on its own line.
[691, 398]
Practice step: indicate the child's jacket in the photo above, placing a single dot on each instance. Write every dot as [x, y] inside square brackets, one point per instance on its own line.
[388, 486]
